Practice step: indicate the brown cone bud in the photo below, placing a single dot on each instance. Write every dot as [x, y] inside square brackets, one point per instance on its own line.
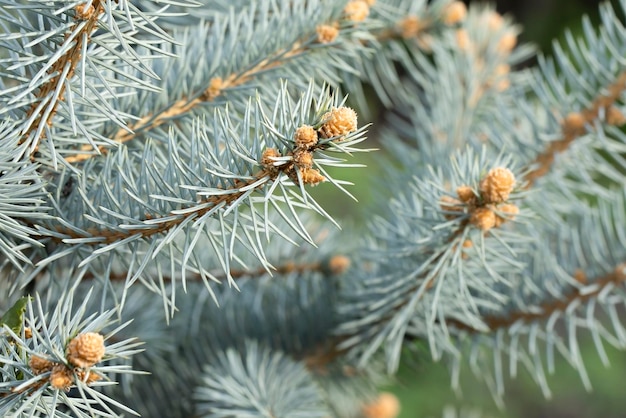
[216, 85]
[454, 13]
[494, 21]
[338, 264]
[410, 27]
[465, 193]
[505, 213]
[573, 125]
[305, 136]
[357, 10]
[339, 121]
[87, 377]
[61, 377]
[311, 176]
[39, 365]
[614, 116]
[497, 185]
[507, 42]
[303, 159]
[267, 159]
[483, 218]
[326, 33]
[386, 405]
[86, 349]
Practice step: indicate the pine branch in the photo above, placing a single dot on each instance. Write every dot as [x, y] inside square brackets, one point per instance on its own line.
[331, 37]
[156, 224]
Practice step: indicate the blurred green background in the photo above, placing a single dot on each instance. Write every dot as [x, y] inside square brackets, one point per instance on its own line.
[424, 388]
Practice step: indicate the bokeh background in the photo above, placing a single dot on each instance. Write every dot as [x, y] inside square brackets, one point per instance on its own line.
[422, 386]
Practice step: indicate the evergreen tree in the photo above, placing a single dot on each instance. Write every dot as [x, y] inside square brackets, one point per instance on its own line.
[161, 253]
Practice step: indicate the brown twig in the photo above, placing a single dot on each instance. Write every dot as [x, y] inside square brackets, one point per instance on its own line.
[574, 126]
[287, 268]
[88, 17]
[615, 277]
[216, 88]
[111, 236]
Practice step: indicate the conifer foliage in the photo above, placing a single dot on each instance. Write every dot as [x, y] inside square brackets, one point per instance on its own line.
[161, 253]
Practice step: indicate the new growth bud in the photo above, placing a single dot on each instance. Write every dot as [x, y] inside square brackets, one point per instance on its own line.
[269, 158]
[326, 33]
[85, 350]
[454, 13]
[338, 122]
[497, 185]
[357, 10]
[39, 365]
[483, 218]
[506, 212]
[61, 377]
[338, 264]
[386, 405]
[507, 42]
[216, 85]
[311, 176]
[305, 136]
[465, 193]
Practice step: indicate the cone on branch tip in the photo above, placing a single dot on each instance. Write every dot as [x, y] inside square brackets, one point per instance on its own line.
[454, 13]
[497, 185]
[386, 405]
[86, 349]
[305, 137]
[339, 121]
[357, 10]
[327, 33]
[465, 194]
[39, 365]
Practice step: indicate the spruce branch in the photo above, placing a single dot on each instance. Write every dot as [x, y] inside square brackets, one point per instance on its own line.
[53, 353]
[575, 124]
[297, 166]
[577, 297]
[86, 17]
[437, 250]
[250, 384]
[67, 62]
[215, 188]
[407, 308]
[337, 265]
[246, 74]
[200, 197]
